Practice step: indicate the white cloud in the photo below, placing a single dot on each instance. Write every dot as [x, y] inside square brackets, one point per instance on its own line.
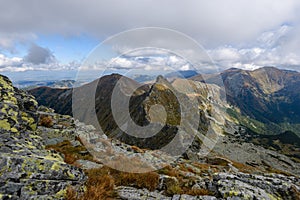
[185, 67]
[18, 64]
[225, 53]
[5, 61]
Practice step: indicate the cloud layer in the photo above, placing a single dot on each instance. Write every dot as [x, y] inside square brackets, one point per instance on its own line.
[246, 34]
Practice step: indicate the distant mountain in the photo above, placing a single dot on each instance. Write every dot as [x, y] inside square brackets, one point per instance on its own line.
[143, 78]
[58, 99]
[267, 100]
[267, 94]
[27, 85]
[182, 74]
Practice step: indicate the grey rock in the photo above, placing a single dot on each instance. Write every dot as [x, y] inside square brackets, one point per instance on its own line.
[85, 164]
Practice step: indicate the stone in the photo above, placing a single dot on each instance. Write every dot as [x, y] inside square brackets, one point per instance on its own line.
[86, 164]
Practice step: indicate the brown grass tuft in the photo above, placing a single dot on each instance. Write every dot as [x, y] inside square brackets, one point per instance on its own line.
[101, 182]
[70, 152]
[97, 187]
[46, 121]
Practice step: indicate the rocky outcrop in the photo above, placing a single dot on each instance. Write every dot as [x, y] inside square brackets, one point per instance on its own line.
[27, 170]
[247, 186]
[130, 193]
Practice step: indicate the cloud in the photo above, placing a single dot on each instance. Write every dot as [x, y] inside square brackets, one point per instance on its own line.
[39, 55]
[211, 22]
[152, 62]
[242, 33]
[269, 49]
[8, 40]
[38, 58]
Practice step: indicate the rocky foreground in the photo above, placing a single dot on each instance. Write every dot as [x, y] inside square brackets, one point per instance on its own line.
[43, 157]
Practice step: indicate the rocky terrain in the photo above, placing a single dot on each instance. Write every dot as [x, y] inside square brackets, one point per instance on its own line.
[28, 170]
[46, 155]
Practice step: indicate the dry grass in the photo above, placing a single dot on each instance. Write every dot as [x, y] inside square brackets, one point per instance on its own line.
[184, 185]
[70, 152]
[101, 182]
[169, 170]
[147, 180]
[173, 189]
[46, 121]
[243, 167]
[97, 187]
[199, 192]
[137, 149]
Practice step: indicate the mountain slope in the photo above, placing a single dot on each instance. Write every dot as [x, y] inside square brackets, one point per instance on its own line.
[266, 100]
[266, 94]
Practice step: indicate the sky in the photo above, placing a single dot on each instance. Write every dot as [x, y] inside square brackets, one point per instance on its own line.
[59, 35]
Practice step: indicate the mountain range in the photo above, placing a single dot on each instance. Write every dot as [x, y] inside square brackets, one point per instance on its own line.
[266, 100]
[50, 155]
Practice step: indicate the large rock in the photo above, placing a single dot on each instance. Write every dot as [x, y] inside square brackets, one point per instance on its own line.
[130, 193]
[27, 170]
[248, 186]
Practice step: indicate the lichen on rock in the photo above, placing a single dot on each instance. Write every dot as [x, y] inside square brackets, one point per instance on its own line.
[27, 169]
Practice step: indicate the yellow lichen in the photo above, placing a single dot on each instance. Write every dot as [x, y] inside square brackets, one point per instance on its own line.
[72, 176]
[4, 124]
[14, 130]
[55, 166]
[61, 194]
[233, 193]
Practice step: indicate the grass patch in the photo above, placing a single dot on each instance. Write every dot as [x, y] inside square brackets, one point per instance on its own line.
[70, 152]
[101, 183]
[97, 187]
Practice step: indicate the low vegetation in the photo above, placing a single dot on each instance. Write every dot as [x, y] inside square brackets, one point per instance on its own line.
[46, 121]
[101, 183]
[71, 153]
